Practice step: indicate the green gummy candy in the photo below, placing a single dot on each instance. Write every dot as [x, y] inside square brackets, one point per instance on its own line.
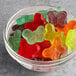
[43, 12]
[35, 36]
[14, 41]
[59, 9]
[71, 39]
[50, 9]
[24, 19]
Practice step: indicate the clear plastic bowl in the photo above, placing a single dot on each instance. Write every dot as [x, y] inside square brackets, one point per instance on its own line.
[42, 66]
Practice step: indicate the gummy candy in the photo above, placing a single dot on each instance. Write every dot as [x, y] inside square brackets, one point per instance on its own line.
[11, 34]
[14, 41]
[50, 32]
[43, 12]
[31, 26]
[24, 19]
[63, 38]
[44, 44]
[50, 9]
[44, 36]
[28, 51]
[35, 36]
[67, 27]
[59, 9]
[59, 19]
[71, 39]
[32, 51]
[54, 51]
[17, 27]
[64, 54]
[38, 21]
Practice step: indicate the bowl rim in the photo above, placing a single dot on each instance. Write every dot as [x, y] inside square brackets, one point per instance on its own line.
[5, 40]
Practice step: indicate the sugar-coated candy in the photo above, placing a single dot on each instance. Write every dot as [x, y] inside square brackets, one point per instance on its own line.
[70, 25]
[59, 19]
[71, 40]
[38, 21]
[14, 41]
[24, 19]
[35, 36]
[55, 50]
[50, 32]
[32, 51]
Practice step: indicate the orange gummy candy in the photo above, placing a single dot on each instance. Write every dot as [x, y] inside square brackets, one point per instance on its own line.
[54, 51]
[67, 27]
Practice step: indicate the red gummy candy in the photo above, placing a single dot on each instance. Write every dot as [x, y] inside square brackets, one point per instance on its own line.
[38, 21]
[45, 44]
[32, 51]
[28, 51]
[31, 26]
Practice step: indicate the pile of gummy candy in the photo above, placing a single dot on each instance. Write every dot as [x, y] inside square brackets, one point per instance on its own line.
[43, 36]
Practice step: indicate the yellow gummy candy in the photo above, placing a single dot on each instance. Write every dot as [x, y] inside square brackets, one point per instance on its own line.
[50, 32]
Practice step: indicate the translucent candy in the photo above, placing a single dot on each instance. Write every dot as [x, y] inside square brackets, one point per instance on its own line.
[50, 32]
[59, 19]
[63, 38]
[59, 9]
[24, 19]
[17, 27]
[33, 51]
[55, 50]
[67, 27]
[14, 41]
[43, 12]
[38, 21]
[64, 54]
[71, 39]
[50, 9]
[28, 51]
[31, 26]
[35, 36]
